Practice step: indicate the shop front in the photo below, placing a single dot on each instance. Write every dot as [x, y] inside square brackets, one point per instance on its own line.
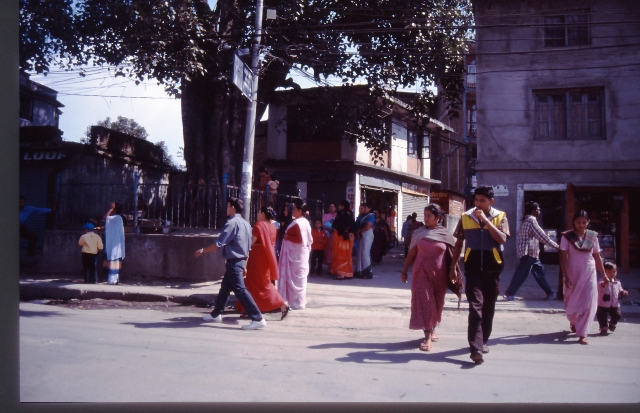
[452, 205]
[609, 211]
[383, 195]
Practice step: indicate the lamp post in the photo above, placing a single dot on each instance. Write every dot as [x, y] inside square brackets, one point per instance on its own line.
[250, 127]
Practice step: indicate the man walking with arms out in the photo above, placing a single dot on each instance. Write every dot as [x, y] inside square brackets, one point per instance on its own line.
[235, 241]
[485, 229]
[529, 239]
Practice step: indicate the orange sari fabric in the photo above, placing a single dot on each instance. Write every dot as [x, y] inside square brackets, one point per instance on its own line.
[262, 267]
[341, 262]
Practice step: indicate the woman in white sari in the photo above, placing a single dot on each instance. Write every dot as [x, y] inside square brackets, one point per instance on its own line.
[114, 242]
[294, 258]
[364, 234]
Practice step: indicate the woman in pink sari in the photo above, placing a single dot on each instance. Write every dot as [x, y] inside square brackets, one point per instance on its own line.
[579, 258]
[431, 253]
[294, 258]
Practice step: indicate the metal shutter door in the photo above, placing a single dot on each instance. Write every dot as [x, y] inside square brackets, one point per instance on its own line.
[413, 203]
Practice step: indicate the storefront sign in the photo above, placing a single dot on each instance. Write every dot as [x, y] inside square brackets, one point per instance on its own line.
[414, 189]
[500, 190]
[351, 194]
[43, 155]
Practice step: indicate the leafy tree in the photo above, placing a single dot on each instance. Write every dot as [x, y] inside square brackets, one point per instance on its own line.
[46, 34]
[121, 124]
[188, 47]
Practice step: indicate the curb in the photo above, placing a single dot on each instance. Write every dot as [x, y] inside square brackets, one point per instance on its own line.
[29, 292]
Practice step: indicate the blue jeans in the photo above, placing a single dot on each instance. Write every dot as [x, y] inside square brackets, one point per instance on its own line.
[233, 281]
[528, 263]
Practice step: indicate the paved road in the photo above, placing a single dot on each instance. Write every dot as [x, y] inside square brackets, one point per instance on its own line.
[332, 351]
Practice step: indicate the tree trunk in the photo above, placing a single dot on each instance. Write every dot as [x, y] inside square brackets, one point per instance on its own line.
[213, 130]
[213, 124]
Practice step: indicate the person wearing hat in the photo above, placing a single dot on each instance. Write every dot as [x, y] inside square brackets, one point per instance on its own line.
[91, 243]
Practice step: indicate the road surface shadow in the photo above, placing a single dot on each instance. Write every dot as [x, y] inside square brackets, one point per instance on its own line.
[186, 322]
[387, 353]
[27, 313]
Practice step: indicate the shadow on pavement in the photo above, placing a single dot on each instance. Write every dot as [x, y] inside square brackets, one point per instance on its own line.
[386, 353]
[186, 322]
[27, 313]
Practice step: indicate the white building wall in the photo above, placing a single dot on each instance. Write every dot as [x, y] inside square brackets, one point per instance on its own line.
[399, 145]
[362, 153]
[426, 168]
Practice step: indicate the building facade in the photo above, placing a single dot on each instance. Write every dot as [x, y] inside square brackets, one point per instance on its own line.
[330, 168]
[557, 115]
[454, 156]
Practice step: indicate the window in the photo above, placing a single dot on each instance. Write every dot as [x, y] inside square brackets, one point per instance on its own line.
[471, 122]
[26, 108]
[569, 114]
[412, 142]
[567, 30]
[471, 74]
[425, 150]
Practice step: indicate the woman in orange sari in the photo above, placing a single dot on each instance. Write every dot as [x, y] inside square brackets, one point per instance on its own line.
[344, 226]
[262, 267]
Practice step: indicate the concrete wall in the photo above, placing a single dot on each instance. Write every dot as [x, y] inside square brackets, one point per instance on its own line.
[147, 256]
[512, 62]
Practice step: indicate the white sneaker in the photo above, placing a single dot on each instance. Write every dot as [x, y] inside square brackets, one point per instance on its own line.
[255, 325]
[208, 317]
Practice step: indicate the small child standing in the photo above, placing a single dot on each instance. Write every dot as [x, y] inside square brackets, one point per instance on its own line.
[609, 290]
[91, 243]
[320, 239]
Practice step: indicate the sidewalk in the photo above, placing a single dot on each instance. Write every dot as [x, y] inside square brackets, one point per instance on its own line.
[385, 290]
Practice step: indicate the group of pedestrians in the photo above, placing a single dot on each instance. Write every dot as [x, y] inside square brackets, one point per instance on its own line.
[354, 244]
[264, 282]
[483, 230]
[252, 268]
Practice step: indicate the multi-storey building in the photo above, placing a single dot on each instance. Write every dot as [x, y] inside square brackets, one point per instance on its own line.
[327, 166]
[557, 114]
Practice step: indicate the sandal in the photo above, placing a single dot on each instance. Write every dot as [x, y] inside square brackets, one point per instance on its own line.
[583, 340]
[425, 347]
[285, 312]
[434, 337]
[572, 327]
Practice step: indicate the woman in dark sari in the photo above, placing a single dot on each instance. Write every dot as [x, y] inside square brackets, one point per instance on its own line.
[381, 238]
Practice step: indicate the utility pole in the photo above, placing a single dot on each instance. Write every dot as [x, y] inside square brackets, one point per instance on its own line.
[250, 127]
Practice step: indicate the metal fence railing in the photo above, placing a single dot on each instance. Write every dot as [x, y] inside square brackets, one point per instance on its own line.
[178, 206]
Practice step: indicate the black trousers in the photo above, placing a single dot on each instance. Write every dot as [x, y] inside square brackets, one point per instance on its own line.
[89, 268]
[317, 257]
[604, 312]
[482, 290]
[31, 237]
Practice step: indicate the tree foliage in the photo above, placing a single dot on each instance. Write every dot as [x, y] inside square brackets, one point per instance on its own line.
[124, 125]
[188, 48]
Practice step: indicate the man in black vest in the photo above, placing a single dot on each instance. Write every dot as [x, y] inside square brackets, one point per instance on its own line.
[485, 229]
